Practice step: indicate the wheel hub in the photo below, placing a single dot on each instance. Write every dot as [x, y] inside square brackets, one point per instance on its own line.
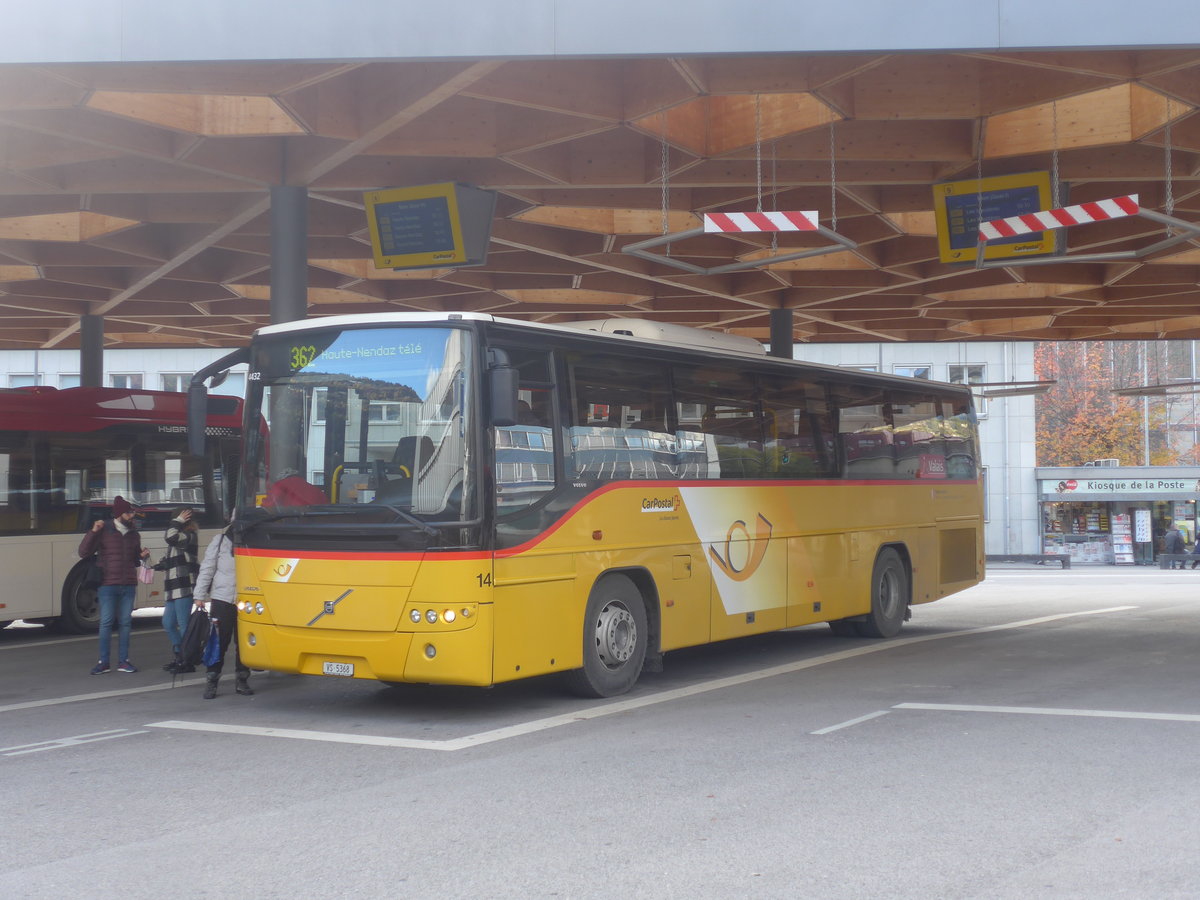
[616, 635]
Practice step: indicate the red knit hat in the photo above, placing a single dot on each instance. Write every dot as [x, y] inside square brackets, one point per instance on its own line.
[120, 506]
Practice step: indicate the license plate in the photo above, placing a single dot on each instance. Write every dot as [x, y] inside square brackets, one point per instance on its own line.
[344, 669]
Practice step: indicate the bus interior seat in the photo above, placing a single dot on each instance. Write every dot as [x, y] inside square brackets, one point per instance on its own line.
[408, 449]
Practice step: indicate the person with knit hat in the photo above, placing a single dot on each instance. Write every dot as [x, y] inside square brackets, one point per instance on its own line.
[119, 549]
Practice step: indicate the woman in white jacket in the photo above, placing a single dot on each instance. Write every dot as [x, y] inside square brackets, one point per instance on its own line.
[217, 583]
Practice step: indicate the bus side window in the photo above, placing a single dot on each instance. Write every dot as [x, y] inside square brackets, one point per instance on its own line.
[800, 432]
[619, 430]
[730, 421]
[865, 427]
[525, 464]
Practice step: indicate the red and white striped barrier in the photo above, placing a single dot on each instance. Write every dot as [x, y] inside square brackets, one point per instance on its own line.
[760, 221]
[1098, 211]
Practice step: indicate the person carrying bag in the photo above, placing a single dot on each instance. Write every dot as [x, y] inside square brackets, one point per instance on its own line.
[217, 583]
[180, 567]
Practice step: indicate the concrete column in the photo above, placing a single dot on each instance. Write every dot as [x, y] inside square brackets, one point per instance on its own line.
[781, 333]
[289, 253]
[91, 351]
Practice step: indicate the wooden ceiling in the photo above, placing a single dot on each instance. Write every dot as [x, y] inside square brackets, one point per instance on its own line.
[139, 191]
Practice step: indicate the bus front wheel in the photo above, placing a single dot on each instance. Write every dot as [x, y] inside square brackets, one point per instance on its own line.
[889, 597]
[614, 639]
[80, 605]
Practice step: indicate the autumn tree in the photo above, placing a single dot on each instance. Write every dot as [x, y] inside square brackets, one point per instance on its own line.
[1080, 419]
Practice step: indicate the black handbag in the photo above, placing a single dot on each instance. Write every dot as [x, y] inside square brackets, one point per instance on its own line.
[195, 636]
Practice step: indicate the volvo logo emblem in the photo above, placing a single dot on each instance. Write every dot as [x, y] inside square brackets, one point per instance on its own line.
[329, 607]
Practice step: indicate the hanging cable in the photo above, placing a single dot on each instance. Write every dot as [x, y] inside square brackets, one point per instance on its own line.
[1169, 206]
[979, 176]
[832, 177]
[758, 148]
[665, 170]
[1055, 198]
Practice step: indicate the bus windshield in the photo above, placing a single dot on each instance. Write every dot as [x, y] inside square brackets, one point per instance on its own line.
[361, 426]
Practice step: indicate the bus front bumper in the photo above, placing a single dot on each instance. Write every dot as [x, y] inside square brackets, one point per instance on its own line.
[427, 656]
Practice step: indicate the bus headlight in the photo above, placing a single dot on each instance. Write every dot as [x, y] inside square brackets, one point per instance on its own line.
[431, 616]
[415, 615]
[430, 651]
[448, 616]
[258, 608]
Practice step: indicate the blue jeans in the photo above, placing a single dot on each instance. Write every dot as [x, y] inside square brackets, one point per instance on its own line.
[116, 602]
[175, 618]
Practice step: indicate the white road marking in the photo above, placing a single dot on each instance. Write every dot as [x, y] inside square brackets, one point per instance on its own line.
[849, 723]
[618, 706]
[100, 695]
[1050, 711]
[300, 735]
[35, 644]
[60, 743]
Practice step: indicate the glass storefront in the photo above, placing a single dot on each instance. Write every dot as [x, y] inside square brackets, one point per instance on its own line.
[1116, 516]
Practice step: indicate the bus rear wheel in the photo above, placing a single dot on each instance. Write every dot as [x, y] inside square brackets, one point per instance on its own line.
[889, 597]
[80, 605]
[614, 639]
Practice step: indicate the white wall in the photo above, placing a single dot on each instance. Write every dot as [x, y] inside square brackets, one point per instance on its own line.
[150, 363]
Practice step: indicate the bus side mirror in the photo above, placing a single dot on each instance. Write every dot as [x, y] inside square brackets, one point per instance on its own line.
[197, 396]
[197, 417]
[504, 382]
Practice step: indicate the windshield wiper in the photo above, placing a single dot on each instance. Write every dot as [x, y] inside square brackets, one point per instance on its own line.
[243, 526]
[409, 518]
[301, 513]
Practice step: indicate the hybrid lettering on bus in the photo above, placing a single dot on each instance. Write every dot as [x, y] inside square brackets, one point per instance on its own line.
[64, 456]
[486, 500]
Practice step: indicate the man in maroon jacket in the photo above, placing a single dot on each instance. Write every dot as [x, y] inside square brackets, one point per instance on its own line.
[120, 553]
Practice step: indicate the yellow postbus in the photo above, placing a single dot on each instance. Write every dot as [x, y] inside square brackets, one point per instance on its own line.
[458, 498]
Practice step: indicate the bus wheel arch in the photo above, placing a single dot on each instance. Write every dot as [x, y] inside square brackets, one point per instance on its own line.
[616, 634]
[79, 612]
[891, 593]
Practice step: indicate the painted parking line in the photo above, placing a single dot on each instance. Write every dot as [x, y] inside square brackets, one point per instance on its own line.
[75, 741]
[101, 695]
[618, 706]
[1050, 711]
[851, 722]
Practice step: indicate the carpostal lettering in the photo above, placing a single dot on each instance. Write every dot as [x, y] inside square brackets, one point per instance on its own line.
[660, 504]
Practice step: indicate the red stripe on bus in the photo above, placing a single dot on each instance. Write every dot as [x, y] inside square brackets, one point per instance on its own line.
[577, 508]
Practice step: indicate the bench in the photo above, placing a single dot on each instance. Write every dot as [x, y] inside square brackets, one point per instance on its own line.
[1037, 558]
[1166, 559]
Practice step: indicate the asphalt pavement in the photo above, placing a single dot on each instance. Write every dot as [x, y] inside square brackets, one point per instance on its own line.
[1032, 737]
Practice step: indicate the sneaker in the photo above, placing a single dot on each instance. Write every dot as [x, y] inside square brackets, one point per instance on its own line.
[100, 668]
[126, 666]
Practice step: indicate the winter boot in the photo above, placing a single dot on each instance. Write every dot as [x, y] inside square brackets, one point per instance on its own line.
[210, 685]
[242, 685]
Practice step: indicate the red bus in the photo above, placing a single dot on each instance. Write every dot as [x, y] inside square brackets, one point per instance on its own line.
[64, 456]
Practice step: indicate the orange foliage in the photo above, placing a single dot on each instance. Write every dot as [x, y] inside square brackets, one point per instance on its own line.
[1079, 419]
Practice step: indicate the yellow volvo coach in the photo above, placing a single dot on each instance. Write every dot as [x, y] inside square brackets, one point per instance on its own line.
[458, 498]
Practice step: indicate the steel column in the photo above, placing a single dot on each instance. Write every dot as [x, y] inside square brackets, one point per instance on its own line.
[289, 253]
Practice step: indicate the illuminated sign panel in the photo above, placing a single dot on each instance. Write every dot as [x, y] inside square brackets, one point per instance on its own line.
[957, 207]
[431, 226]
